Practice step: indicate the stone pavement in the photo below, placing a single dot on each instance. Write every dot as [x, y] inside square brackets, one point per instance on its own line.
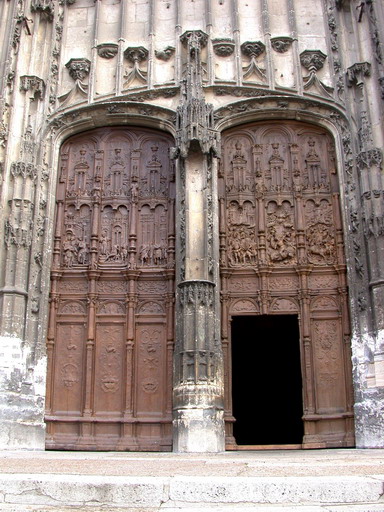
[244, 481]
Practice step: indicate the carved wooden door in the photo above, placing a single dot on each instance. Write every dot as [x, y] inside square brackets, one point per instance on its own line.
[110, 337]
[281, 244]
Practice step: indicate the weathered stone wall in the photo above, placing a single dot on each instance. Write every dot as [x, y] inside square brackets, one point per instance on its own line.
[68, 66]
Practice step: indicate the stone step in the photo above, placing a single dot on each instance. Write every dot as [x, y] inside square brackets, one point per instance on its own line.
[96, 493]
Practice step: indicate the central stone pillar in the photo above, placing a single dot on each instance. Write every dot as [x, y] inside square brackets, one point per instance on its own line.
[198, 399]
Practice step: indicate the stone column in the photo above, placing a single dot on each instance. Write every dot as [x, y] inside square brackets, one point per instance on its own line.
[198, 399]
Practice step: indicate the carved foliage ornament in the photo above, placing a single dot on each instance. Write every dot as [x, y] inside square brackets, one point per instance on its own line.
[194, 39]
[135, 55]
[357, 72]
[78, 68]
[253, 49]
[165, 54]
[107, 50]
[223, 47]
[281, 44]
[34, 84]
[46, 7]
[313, 61]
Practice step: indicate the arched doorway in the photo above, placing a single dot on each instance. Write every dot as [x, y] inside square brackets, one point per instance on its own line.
[110, 337]
[283, 281]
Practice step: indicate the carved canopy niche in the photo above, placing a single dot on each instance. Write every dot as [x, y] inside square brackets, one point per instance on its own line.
[110, 336]
[281, 247]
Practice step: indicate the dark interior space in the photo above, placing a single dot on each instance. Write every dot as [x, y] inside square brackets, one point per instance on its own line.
[266, 380]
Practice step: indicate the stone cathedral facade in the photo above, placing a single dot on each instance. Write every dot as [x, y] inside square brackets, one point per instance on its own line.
[192, 224]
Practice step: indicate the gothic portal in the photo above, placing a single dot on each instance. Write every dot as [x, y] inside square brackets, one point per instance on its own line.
[110, 337]
[282, 253]
[192, 224]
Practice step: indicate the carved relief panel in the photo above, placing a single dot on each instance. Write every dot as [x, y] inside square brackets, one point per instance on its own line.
[110, 336]
[282, 252]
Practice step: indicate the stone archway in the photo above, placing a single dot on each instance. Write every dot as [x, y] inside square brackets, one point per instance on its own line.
[282, 253]
[110, 336]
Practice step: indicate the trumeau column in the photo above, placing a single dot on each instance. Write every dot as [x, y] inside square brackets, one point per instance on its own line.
[198, 406]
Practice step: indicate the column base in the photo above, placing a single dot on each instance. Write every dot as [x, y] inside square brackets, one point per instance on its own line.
[198, 430]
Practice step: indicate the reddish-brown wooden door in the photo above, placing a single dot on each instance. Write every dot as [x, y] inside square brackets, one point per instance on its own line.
[282, 253]
[110, 337]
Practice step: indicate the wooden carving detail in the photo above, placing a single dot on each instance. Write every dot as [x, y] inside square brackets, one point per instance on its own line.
[281, 252]
[110, 364]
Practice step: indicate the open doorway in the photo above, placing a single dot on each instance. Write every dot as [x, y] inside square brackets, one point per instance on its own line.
[266, 380]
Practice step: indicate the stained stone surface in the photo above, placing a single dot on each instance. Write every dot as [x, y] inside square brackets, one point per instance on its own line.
[73, 66]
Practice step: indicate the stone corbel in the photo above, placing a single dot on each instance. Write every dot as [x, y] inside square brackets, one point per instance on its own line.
[45, 7]
[357, 72]
[281, 44]
[165, 54]
[195, 40]
[78, 70]
[135, 55]
[34, 84]
[223, 47]
[253, 49]
[313, 61]
[107, 50]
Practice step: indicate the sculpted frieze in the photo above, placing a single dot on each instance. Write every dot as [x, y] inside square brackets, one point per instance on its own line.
[321, 244]
[281, 233]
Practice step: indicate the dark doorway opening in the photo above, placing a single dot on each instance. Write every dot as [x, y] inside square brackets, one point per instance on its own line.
[266, 380]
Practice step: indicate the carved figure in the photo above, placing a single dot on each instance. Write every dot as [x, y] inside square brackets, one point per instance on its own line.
[82, 252]
[69, 249]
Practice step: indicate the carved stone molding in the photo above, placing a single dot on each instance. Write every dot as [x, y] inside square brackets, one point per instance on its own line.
[367, 159]
[107, 50]
[45, 7]
[194, 39]
[78, 68]
[165, 54]
[357, 72]
[223, 47]
[135, 55]
[21, 21]
[281, 44]
[24, 170]
[313, 61]
[253, 49]
[197, 293]
[34, 84]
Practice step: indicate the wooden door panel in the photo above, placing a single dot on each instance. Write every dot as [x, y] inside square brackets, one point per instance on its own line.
[110, 335]
[151, 383]
[68, 379]
[109, 380]
[281, 252]
[328, 352]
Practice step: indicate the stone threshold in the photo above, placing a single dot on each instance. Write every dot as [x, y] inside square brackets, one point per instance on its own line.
[94, 493]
